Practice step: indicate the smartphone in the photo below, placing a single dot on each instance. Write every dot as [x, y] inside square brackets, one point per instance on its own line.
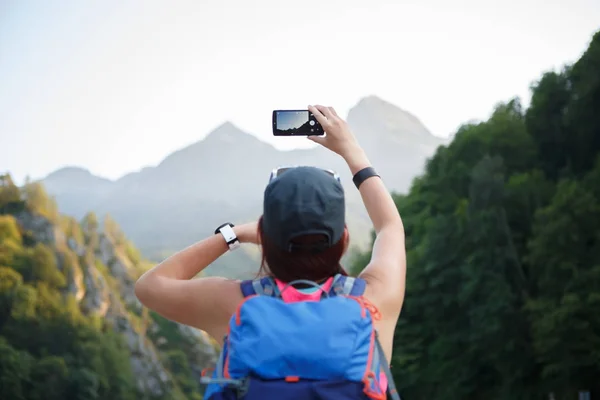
[296, 123]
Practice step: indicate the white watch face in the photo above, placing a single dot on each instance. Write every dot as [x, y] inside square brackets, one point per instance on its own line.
[228, 233]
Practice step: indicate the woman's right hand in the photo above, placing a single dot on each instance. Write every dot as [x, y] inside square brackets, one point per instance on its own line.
[338, 137]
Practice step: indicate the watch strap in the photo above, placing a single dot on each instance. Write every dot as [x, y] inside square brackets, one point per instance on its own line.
[226, 230]
[363, 175]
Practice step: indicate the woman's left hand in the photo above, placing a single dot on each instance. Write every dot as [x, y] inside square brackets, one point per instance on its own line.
[247, 233]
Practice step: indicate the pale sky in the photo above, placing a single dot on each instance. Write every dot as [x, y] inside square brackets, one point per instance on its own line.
[114, 86]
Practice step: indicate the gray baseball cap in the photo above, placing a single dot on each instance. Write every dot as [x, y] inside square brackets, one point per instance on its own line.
[304, 201]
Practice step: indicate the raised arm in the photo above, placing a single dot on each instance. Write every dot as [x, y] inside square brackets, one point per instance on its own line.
[386, 272]
[204, 303]
[387, 268]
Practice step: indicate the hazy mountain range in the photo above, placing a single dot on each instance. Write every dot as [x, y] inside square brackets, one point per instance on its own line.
[222, 177]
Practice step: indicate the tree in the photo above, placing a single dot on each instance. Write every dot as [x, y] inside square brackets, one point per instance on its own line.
[566, 325]
[546, 123]
[10, 195]
[113, 230]
[14, 372]
[494, 290]
[10, 281]
[49, 379]
[582, 112]
[89, 226]
[9, 230]
[73, 230]
[38, 201]
[39, 265]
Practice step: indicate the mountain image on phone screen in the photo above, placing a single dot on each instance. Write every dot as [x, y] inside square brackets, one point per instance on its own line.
[296, 123]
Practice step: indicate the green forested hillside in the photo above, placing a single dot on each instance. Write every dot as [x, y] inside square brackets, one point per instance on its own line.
[503, 246]
[70, 325]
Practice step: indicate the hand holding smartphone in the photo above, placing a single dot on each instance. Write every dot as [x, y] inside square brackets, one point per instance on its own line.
[296, 123]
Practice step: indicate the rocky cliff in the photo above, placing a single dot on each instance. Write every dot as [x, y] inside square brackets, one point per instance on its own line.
[99, 266]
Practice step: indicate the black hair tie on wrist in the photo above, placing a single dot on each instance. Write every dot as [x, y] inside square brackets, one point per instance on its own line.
[363, 175]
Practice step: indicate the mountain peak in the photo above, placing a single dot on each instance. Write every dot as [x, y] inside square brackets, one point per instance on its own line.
[73, 174]
[375, 111]
[227, 125]
[223, 140]
[69, 172]
[226, 132]
[374, 101]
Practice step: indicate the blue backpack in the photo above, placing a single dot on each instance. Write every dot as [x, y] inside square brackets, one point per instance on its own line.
[327, 349]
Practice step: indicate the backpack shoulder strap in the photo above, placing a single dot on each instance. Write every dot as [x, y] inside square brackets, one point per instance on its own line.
[262, 286]
[341, 285]
[348, 285]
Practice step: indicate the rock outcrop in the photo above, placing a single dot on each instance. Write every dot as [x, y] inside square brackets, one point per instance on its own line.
[101, 277]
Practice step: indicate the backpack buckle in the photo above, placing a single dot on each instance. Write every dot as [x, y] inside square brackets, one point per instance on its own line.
[243, 387]
[338, 289]
[268, 290]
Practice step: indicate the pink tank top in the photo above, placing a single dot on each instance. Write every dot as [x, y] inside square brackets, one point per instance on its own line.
[293, 295]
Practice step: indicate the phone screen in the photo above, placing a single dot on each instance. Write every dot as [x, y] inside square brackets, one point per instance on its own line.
[295, 123]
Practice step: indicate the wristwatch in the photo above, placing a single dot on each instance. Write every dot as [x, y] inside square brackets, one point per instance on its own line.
[229, 235]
